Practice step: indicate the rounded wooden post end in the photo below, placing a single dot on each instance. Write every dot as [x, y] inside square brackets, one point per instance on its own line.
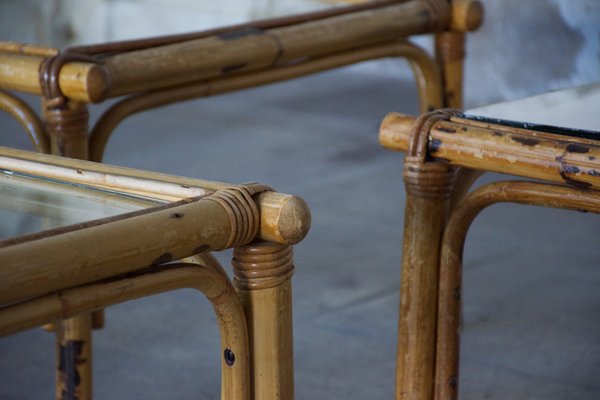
[262, 265]
[394, 131]
[283, 219]
[97, 83]
[466, 15]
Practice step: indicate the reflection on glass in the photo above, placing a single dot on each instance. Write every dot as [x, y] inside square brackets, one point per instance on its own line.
[29, 204]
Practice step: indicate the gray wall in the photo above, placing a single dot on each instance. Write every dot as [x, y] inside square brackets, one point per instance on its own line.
[524, 46]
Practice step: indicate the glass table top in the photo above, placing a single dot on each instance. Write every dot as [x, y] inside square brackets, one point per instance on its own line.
[30, 203]
[576, 108]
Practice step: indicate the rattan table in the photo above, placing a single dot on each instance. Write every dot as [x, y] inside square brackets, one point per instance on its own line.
[447, 151]
[78, 236]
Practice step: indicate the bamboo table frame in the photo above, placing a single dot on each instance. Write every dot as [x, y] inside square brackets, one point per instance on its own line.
[64, 272]
[446, 152]
[158, 71]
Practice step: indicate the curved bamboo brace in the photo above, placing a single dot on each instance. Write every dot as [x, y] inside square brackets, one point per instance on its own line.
[424, 67]
[532, 193]
[235, 365]
[28, 119]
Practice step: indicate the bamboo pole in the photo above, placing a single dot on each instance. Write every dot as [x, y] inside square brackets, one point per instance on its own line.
[138, 44]
[74, 358]
[67, 130]
[28, 120]
[465, 16]
[425, 70]
[503, 149]
[226, 51]
[283, 218]
[262, 277]
[27, 48]
[214, 284]
[79, 81]
[249, 50]
[428, 186]
[449, 309]
[141, 238]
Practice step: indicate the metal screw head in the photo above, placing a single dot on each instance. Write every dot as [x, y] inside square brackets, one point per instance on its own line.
[229, 357]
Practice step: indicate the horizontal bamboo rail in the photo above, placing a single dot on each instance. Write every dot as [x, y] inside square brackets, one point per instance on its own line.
[283, 218]
[449, 308]
[238, 50]
[426, 73]
[498, 148]
[138, 44]
[235, 381]
[251, 49]
[70, 256]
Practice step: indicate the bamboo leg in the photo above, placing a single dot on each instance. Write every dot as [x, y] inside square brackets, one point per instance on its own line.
[262, 277]
[450, 53]
[465, 16]
[428, 186]
[67, 127]
[74, 348]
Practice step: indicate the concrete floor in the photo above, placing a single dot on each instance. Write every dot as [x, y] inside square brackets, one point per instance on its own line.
[532, 276]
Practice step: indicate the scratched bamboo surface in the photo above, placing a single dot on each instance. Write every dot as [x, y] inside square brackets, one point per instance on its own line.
[497, 148]
[443, 139]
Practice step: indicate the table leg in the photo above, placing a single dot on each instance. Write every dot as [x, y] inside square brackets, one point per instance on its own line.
[74, 368]
[428, 185]
[67, 128]
[262, 277]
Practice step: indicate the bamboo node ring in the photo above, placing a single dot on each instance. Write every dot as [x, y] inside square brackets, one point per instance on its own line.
[243, 212]
[262, 265]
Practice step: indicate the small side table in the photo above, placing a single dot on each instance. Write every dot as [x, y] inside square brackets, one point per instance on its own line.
[134, 233]
[446, 151]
